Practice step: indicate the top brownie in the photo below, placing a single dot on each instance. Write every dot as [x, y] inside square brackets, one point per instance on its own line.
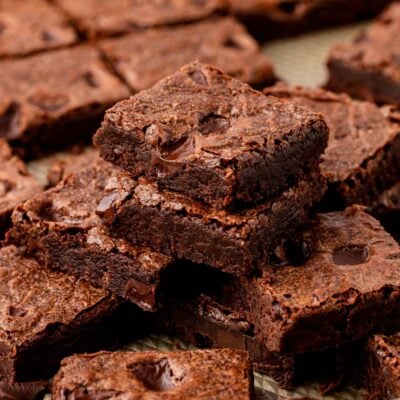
[368, 67]
[212, 138]
[105, 17]
[28, 26]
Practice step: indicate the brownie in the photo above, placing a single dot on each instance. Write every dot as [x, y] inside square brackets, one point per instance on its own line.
[60, 228]
[16, 184]
[142, 59]
[212, 138]
[382, 369]
[202, 374]
[105, 18]
[54, 99]
[236, 242]
[48, 315]
[270, 19]
[367, 67]
[362, 159]
[28, 26]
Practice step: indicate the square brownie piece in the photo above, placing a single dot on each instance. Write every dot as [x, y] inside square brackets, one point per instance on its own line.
[362, 159]
[382, 369]
[193, 375]
[47, 315]
[28, 26]
[54, 99]
[367, 67]
[143, 58]
[60, 228]
[16, 184]
[237, 242]
[212, 138]
[105, 18]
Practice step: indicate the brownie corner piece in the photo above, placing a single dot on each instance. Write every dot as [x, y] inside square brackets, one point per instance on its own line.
[212, 138]
[201, 374]
[366, 67]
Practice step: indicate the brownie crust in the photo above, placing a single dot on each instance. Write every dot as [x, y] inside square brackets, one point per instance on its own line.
[212, 138]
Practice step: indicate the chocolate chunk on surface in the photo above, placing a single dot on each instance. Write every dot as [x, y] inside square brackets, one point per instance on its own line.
[47, 315]
[212, 138]
[29, 26]
[368, 66]
[16, 184]
[202, 374]
[61, 230]
[104, 17]
[143, 58]
[51, 100]
[362, 159]
[234, 241]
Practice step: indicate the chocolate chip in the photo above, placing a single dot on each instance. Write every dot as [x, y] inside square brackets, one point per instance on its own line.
[350, 255]
[10, 122]
[48, 102]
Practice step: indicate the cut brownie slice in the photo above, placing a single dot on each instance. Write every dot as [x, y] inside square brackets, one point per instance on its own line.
[382, 376]
[212, 138]
[16, 184]
[28, 26]
[144, 58]
[368, 66]
[269, 19]
[362, 159]
[51, 100]
[202, 374]
[60, 228]
[47, 315]
[235, 242]
[104, 17]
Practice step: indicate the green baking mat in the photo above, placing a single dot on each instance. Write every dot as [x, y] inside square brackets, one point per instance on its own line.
[299, 60]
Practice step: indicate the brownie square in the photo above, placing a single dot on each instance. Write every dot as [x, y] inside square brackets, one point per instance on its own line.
[212, 138]
[28, 26]
[46, 315]
[270, 19]
[16, 184]
[202, 374]
[362, 159]
[236, 242]
[367, 67]
[54, 99]
[60, 228]
[143, 58]
[105, 18]
[382, 369]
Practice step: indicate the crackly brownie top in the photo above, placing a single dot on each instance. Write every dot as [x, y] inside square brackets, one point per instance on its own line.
[46, 86]
[16, 184]
[71, 205]
[357, 129]
[27, 26]
[220, 42]
[201, 116]
[377, 47]
[104, 17]
[203, 374]
[33, 298]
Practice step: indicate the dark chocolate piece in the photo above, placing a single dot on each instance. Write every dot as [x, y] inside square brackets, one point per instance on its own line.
[16, 184]
[382, 369]
[143, 58]
[60, 228]
[47, 315]
[51, 100]
[186, 375]
[368, 67]
[362, 159]
[105, 18]
[28, 26]
[212, 138]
